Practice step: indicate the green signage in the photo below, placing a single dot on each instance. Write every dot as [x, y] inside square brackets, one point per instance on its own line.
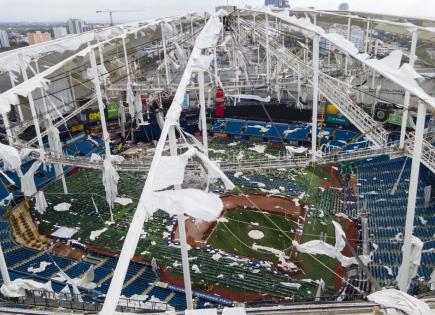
[336, 119]
[396, 119]
[112, 110]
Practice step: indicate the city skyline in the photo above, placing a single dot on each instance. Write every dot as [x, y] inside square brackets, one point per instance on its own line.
[62, 10]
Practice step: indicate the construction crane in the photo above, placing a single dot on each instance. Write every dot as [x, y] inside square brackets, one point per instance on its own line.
[115, 11]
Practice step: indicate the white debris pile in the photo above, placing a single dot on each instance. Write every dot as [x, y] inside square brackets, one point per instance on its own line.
[414, 263]
[95, 234]
[195, 268]
[42, 266]
[64, 232]
[18, 287]
[123, 201]
[292, 285]
[259, 148]
[64, 206]
[318, 247]
[194, 202]
[391, 298]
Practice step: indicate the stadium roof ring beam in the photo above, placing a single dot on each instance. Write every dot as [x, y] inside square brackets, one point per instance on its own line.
[199, 63]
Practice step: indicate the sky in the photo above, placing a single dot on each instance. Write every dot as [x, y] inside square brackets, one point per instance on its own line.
[61, 10]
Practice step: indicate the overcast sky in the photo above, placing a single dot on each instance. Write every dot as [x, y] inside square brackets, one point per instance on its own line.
[61, 10]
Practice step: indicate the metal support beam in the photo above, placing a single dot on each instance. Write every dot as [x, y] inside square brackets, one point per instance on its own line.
[4, 268]
[73, 91]
[7, 124]
[165, 56]
[58, 168]
[267, 50]
[403, 283]
[216, 78]
[182, 231]
[31, 103]
[407, 98]
[203, 110]
[134, 231]
[348, 35]
[96, 81]
[20, 111]
[127, 68]
[367, 38]
[315, 96]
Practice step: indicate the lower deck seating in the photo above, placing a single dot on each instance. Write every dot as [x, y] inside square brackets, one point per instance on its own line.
[387, 209]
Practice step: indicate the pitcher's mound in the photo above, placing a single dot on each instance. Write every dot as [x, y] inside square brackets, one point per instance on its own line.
[256, 234]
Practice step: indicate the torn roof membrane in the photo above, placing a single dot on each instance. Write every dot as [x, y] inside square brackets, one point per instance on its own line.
[404, 76]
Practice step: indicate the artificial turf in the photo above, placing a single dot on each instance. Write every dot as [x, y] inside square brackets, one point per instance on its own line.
[232, 236]
[86, 189]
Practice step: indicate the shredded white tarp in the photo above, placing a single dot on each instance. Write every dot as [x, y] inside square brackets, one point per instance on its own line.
[18, 287]
[391, 298]
[95, 234]
[42, 266]
[297, 150]
[66, 290]
[318, 247]
[95, 157]
[64, 206]
[123, 201]
[138, 105]
[204, 311]
[194, 202]
[40, 202]
[130, 100]
[233, 311]
[64, 232]
[213, 170]
[10, 157]
[251, 97]
[404, 76]
[56, 147]
[259, 148]
[54, 140]
[292, 285]
[86, 280]
[414, 262]
[28, 186]
[11, 61]
[171, 170]
[181, 54]
[209, 34]
[431, 282]
[24, 89]
[111, 178]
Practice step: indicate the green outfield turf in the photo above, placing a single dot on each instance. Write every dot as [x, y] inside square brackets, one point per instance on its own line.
[232, 236]
[89, 213]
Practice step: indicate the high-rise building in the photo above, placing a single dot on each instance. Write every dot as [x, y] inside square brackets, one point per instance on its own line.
[75, 26]
[344, 6]
[356, 37]
[4, 39]
[59, 31]
[277, 3]
[38, 37]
